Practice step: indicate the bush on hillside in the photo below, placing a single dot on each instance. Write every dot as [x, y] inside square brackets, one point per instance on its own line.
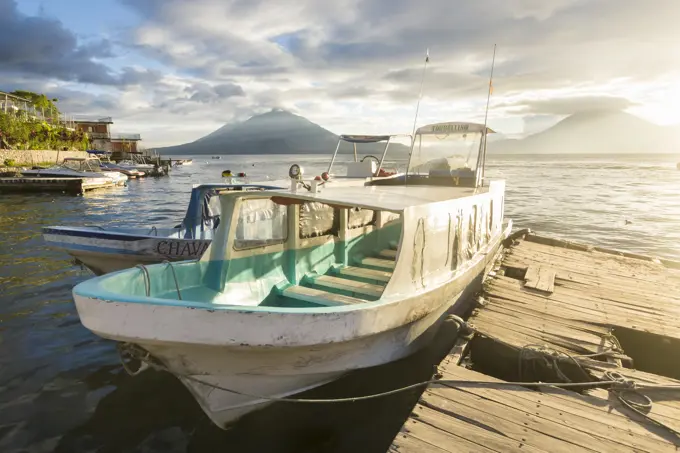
[18, 131]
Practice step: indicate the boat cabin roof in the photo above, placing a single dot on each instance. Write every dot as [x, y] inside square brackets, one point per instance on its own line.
[452, 127]
[369, 138]
[384, 198]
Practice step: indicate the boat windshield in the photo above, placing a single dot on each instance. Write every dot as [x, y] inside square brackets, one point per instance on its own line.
[82, 164]
[446, 147]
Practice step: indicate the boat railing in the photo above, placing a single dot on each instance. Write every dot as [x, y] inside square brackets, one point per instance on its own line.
[366, 139]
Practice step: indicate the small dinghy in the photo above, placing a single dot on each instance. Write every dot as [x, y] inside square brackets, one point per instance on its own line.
[301, 286]
[105, 250]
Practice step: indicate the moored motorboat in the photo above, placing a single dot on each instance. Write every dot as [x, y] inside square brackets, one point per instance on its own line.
[301, 286]
[130, 172]
[146, 169]
[105, 250]
[78, 167]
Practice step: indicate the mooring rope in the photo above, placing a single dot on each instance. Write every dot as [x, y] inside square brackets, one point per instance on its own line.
[617, 384]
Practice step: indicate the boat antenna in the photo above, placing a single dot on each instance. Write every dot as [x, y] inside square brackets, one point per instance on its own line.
[415, 118]
[486, 112]
[420, 94]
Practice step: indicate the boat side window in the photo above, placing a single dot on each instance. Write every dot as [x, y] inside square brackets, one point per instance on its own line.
[358, 217]
[318, 219]
[261, 222]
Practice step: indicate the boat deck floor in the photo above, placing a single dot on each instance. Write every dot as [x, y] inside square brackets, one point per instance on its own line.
[545, 310]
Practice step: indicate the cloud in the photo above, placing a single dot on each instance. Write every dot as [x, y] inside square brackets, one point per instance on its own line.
[354, 64]
[42, 46]
[568, 106]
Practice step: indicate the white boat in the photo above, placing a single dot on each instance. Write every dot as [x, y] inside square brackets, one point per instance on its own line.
[304, 285]
[78, 167]
[112, 166]
[104, 250]
[136, 166]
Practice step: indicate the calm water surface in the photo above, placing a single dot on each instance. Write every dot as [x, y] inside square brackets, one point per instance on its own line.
[62, 389]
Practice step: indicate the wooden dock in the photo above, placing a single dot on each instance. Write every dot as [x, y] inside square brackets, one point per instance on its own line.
[71, 186]
[557, 311]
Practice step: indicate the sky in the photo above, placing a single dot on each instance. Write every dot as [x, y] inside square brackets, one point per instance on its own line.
[175, 70]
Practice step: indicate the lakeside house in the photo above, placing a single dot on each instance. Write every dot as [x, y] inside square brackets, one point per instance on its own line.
[101, 137]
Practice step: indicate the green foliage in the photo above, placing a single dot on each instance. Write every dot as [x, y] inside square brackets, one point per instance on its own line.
[10, 163]
[18, 132]
[39, 101]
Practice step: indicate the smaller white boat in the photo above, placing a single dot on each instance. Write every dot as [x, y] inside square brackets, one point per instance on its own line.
[78, 167]
[104, 250]
[111, 166]
[136, 166]
[182, 162]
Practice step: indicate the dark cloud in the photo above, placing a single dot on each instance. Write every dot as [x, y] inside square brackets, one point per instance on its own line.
[41, 46]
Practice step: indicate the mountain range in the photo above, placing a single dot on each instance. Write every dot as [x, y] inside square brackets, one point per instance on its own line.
[274, 132]
[593, 132]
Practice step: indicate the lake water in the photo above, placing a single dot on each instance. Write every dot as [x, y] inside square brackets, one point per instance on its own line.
[62, 389]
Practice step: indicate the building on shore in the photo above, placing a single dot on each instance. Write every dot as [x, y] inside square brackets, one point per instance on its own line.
[125, 143]
[98, 129]
[102, 139]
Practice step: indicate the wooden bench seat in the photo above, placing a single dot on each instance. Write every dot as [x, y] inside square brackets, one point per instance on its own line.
[377, 262]
[317, 296]
[345, 284]
[365, 273]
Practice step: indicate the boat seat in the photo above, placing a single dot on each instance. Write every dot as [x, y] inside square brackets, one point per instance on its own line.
[362, 272]
[377, 262]
[344, 284]
[388, 254]
[317, 296]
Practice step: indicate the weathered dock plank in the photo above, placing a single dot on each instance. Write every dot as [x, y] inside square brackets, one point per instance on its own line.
[477, 419]
[553, 306]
